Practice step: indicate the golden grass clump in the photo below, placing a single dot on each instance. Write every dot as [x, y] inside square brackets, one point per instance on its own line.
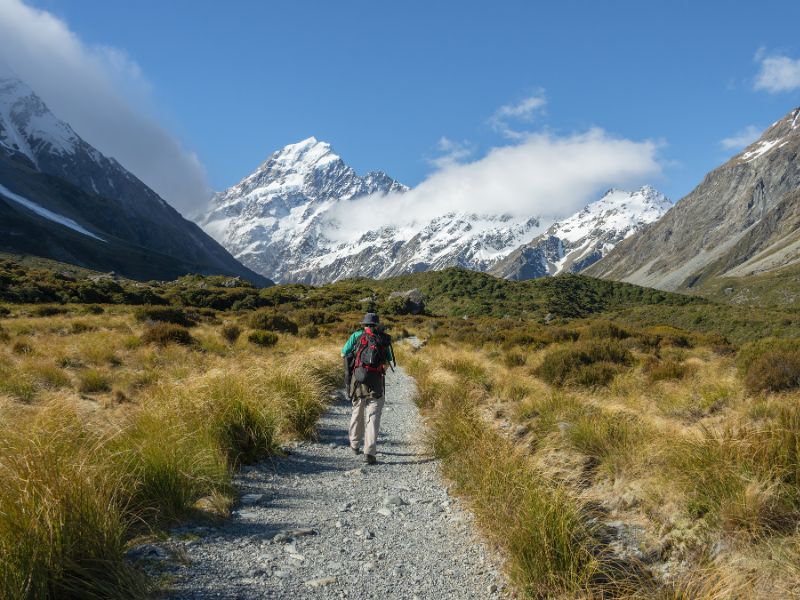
[79, 483]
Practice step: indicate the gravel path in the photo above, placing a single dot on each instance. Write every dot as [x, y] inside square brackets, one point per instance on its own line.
[321, 524]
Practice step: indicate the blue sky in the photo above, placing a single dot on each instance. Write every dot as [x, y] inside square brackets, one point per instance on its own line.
[385, 82]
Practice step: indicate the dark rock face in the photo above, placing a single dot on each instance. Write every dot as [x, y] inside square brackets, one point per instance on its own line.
[741, 220]
[44, 160]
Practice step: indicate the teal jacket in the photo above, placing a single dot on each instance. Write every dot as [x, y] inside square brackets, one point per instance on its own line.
[351, 342]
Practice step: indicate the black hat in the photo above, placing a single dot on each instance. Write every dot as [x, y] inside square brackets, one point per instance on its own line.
[371, 319]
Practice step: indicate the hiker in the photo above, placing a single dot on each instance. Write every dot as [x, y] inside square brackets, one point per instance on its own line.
[367, 353]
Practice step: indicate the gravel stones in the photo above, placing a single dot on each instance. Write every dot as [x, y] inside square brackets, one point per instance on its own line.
[326, 527]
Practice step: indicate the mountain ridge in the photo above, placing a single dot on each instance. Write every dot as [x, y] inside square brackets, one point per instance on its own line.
[285, 220]
[734, 218]
[47, 164]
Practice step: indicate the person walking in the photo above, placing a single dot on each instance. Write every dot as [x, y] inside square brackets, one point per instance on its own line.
[367, 352]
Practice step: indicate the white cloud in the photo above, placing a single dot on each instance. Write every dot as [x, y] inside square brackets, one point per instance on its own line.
[103, 94]
[778, 73]
[742, 138]
[542, 176]
[451, 152]
[524, 111]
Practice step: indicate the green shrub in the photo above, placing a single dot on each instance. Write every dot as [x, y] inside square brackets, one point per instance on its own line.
[230, 332]
[268, 321]
[670, 336]
[313, 316]
[163, 314]
[605, 330]
[568, 364]
[775, 371]
[771, 365]
[263, 338]
[93, 381]
[309, 331]
[49, 311]
[162, 334]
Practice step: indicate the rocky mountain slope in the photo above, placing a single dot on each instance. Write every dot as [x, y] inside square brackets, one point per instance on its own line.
[61, 198]
[742, 220]
[282, 221]
[584, 238]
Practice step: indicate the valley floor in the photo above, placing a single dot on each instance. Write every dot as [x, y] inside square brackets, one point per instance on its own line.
[388, 531]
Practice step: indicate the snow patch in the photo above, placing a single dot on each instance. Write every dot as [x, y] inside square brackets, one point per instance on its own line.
[47, 214]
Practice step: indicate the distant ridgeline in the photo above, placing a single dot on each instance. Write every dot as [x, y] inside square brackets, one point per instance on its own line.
[451, 292]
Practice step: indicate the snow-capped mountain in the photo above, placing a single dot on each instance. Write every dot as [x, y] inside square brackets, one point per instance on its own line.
[61, 198]
[285, 220]
[573, 244]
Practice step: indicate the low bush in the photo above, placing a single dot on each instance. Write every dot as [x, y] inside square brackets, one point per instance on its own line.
[162, 334]
[775, 371]
[163, 314]
[605, 330]
[269, 321]
[770, 365]
[230, 332]
[263, 338]
[670, 336]
[309, 331]
[49, 311]
[312, 316]
[573, 363]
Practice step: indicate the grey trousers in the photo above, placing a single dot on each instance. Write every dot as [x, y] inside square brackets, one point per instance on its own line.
[365, 420]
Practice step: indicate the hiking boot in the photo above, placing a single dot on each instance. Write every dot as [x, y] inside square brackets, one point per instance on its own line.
[371, 460]
[356, 451]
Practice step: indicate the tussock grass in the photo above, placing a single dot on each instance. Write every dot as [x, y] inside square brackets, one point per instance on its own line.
[79, 483]
[91, 381]
[614, 439]
[61, 527]
[539, 526]
[262, 338]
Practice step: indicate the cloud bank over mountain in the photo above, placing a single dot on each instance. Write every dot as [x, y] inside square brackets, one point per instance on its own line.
[544, 175]
[104, 95]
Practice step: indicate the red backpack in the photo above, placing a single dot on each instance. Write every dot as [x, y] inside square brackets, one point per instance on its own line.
[371, 351]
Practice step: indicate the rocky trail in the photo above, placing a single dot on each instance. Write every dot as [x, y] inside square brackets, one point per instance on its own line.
[319, 523]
